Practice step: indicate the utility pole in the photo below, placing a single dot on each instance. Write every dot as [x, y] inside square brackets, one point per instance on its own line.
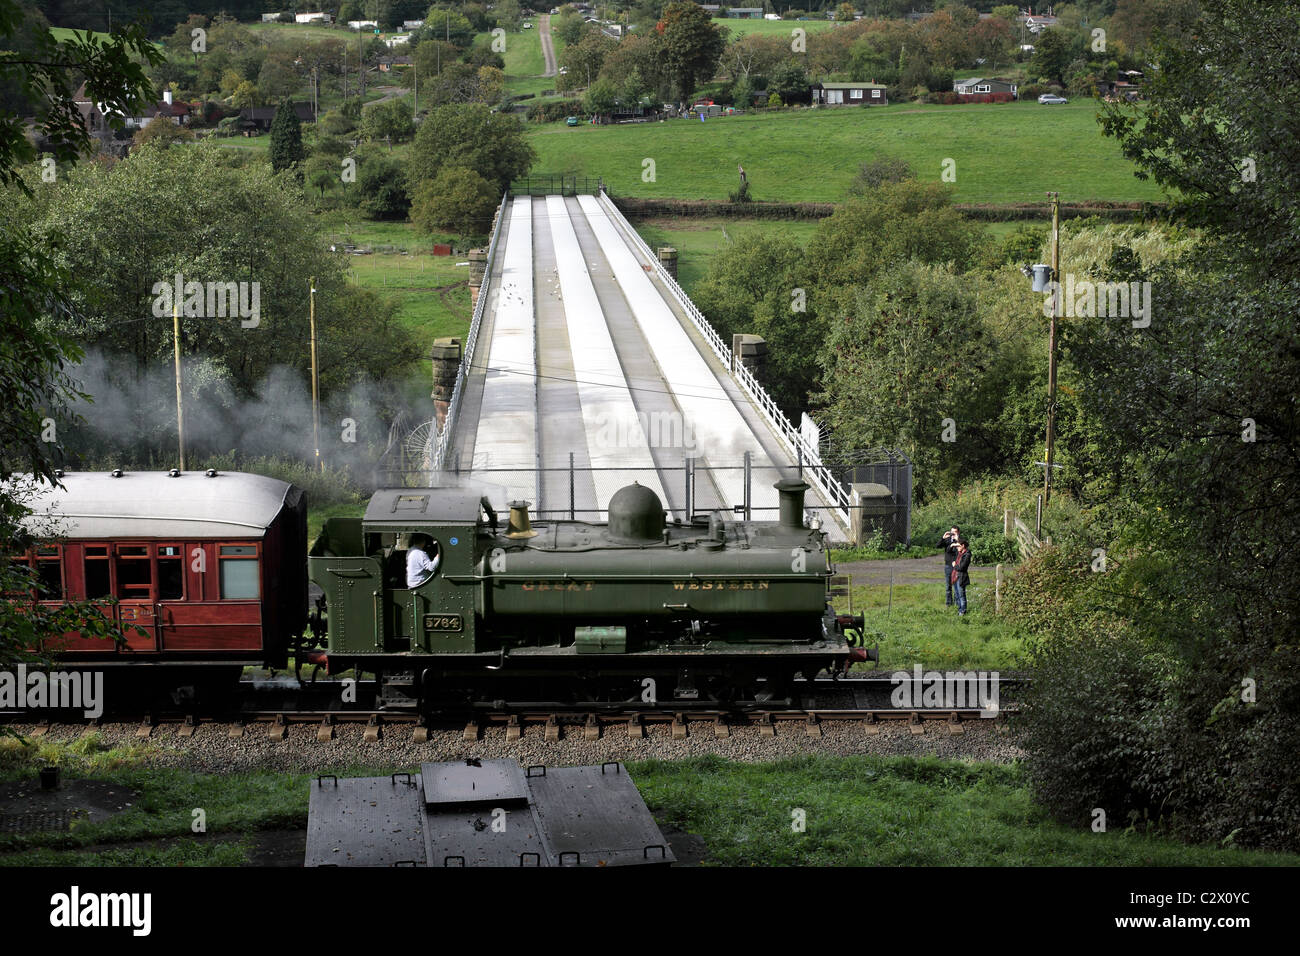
[315, 390]
[1055, 200]
[180, 411]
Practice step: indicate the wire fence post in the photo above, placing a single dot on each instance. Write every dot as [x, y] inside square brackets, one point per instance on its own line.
[572, 495]
[689, 473]
[748, 477]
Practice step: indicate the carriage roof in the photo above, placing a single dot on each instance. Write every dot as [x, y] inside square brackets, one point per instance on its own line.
[149, 504]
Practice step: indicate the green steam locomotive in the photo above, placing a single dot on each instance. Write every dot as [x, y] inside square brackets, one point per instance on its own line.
[636, 609]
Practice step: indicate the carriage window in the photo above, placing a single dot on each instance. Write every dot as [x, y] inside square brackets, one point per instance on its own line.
[134, 572]
[49, 573]
[171, 576]
[97, 580]
[239, 573]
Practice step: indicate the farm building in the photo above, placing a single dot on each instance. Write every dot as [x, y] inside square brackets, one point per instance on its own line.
[980, 86]
[312, 18]
[258, 118]
[849, 94]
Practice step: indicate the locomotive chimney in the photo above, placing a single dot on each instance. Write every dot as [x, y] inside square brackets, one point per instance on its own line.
[520, 526]
[792, 491]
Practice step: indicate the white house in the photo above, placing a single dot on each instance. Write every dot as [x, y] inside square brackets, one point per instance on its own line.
[363, 24]
[412, 24]
[270, 17]
[400, 40]
[312, 18]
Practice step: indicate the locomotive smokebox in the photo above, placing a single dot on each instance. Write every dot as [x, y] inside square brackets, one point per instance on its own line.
[636, 514]
[792, 492]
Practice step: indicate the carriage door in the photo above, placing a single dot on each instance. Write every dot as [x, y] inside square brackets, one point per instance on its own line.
[133, 567]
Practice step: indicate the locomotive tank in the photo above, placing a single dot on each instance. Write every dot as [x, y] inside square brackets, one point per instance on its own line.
[636, 566]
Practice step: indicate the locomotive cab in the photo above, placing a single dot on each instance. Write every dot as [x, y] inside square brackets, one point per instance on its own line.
[360, 564]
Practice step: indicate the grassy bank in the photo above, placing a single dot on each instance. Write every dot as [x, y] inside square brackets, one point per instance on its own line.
[868, 811]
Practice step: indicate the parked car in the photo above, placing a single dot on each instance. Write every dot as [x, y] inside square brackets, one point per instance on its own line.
[528, 26]
[1050, 99]
[572, 121]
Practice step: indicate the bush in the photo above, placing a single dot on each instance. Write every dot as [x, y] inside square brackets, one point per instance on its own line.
[741, 194]
[555, 110]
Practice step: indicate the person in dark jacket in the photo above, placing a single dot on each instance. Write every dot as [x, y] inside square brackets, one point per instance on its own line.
[961, 574]
[949, 544]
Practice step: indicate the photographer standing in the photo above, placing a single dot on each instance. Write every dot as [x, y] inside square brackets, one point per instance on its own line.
[949, 544]
[961, 575]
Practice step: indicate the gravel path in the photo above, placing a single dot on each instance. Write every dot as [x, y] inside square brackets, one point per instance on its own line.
[548, 49]
[211, 750]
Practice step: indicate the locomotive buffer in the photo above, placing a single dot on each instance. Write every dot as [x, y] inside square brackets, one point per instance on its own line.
[484, 813]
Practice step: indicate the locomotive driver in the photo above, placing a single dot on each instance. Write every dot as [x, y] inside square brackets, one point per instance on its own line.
[419, 568]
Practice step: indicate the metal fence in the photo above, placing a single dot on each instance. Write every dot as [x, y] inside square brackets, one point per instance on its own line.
[556, 185]
[438, 442]
[573, 491]
[888, 467]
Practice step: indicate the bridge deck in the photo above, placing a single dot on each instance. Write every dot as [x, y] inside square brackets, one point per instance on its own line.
[584, 356]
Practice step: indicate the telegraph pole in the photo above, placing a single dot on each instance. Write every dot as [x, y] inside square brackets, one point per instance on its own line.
[1054, 198]
[315, 389]
[180, 411]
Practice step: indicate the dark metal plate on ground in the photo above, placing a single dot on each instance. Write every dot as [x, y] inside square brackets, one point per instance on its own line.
[367, 821]
[471, 783]
[488, 813]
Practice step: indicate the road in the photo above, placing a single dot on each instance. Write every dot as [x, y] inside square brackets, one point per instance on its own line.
[548, 49]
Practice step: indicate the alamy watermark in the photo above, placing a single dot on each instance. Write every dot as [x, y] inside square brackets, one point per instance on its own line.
[653, 429]
[1086, 299]
[945, 690]
[209, 300]
[57, 690]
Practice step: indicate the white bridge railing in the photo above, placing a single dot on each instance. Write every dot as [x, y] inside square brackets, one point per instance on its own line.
[834, 492]
[439, 456]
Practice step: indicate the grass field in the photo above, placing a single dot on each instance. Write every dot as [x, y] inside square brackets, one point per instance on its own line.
[914, 626]
[863, 810]
[430, 290]
[698, 240]
[1010, 152]
[740, 28]
[525, 63]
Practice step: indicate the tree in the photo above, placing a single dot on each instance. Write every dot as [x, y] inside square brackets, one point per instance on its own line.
[874, 174]
[381, 183]
[1051, 56]
[844, 13]
[246, 96]
[583, 61]
[904, 359]
[692, 45]
[473, 137]
[1194, 452]
[891, 224]
[286, 138]
[459, 200]
[389, 120]
[38, 81]
[600, 98]
[162, 133]
[789, 82]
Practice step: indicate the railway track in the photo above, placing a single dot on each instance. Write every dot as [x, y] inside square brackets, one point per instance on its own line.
[863, 700]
